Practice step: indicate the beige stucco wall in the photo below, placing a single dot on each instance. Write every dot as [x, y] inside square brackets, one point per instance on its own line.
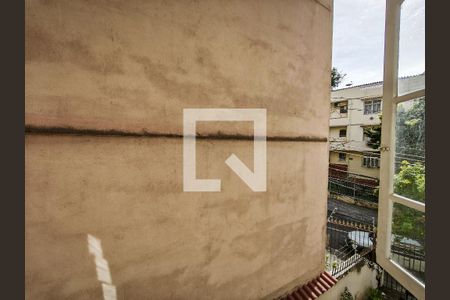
[355, 166]
[334, 158]
[357, 92]
[335, 111]
[140, 62]
[162, 243]
[354, 163]
[334, 134]
[131, 67]
[357, 117]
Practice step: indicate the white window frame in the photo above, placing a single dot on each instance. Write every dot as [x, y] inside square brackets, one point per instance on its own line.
[387, 197]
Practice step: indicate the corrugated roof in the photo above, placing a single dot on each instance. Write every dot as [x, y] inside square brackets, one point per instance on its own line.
[313, 289]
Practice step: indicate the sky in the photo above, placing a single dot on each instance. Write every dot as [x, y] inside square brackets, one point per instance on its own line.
[358, 39]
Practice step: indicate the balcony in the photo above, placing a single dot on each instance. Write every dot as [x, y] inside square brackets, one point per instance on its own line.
[342, 121]
[338, 139]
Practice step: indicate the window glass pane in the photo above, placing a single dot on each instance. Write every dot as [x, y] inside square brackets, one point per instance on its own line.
[409, 179]
[367, 107]
[411, 46]
[376, 106]
[408, 240]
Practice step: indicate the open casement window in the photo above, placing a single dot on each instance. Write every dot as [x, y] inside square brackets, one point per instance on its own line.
[401, 216]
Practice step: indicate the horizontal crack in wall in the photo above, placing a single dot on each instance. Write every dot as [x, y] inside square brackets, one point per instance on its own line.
[117, 133]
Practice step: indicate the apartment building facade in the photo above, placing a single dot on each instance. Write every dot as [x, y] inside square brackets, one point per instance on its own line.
[352, 110]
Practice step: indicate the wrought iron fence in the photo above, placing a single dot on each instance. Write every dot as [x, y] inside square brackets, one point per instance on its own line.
[357, 191]
[348, 243]
[411, 257]
[392, 289]
[357, 186]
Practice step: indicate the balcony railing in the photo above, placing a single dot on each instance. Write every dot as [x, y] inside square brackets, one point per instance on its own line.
[348, 243]
[392, 289]
[338, 139]
[353, 189]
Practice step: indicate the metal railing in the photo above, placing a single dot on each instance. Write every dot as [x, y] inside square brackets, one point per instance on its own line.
[348, 243]
[411, 257]
[357, 191]
[341, 182]
[392, 289]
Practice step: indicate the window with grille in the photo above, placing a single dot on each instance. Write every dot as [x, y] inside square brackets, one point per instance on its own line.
[342, 156]
[343, 133]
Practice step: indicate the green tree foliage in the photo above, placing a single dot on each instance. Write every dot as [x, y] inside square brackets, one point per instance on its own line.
[346, 295]
[409, 180]
[374, 294]
[410, 132]
[336, 77]
[374, 134]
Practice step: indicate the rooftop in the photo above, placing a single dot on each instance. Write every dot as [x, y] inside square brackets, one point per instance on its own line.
[376, 83]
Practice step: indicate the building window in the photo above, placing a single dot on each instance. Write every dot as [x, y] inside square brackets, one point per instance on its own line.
[343, 133]
[372, 107]
[340, 106]
[342, 156]
[376, 106]
[371, 161]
